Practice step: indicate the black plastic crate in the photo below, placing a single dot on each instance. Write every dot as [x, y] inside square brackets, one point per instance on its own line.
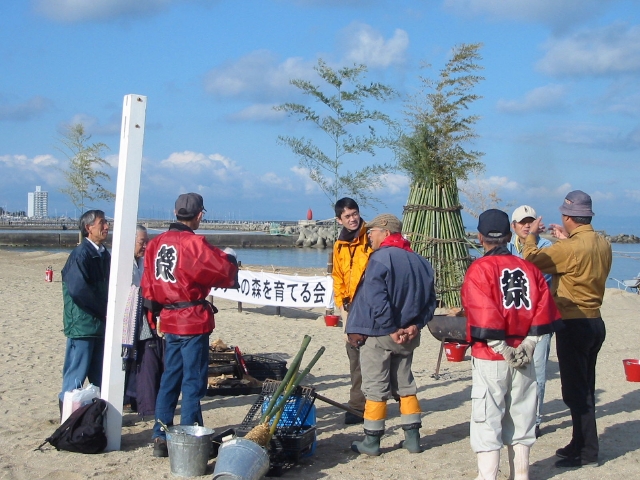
[262, 368]
[287, 449]
[222, 357]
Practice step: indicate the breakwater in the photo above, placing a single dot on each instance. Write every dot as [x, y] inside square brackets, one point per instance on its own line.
[69, 239]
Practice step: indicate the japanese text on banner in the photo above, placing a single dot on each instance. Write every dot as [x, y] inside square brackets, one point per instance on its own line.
[263, 288]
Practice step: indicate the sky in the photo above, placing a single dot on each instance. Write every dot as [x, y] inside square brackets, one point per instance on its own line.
[560, 106]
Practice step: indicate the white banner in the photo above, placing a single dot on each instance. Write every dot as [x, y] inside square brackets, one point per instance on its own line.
[263, 288]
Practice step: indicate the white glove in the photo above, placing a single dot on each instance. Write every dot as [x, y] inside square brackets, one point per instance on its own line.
[510, 354]
[526, 349]
[230, 251]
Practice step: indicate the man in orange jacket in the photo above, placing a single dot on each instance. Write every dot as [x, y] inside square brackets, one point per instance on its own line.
[350, 256]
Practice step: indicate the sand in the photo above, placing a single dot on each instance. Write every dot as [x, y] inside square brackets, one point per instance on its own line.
[30, 375]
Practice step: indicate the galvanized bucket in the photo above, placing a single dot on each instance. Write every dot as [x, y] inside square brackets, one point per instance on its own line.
[189, 449]
[241, 459]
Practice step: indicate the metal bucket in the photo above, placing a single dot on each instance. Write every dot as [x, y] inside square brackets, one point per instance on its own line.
[189, 449]
[241, 459]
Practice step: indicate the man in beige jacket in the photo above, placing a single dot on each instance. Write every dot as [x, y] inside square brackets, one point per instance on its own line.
[579, 262]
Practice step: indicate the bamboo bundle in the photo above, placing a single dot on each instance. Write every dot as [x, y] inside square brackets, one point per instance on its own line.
[435, 156]
[433, 222]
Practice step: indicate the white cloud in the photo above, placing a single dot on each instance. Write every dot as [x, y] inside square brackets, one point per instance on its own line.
[41, 168]
[92, 125]
[366, 45]
[24, 162]
[540, 191]
[393, 183]
[215, 165]
[256, 75]
[609, 50]
[633, 195]
[549, 98]
[557, 13]
[303, 174]
[25, 110]
[274, 180]
[596, 136]
[70, 11]
[261, 112]
[598, 195]
[493, 182]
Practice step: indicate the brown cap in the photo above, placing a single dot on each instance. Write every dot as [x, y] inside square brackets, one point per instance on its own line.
[189, 205]
[386, 221]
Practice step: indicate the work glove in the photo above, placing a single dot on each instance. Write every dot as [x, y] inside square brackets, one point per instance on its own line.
[356, 340]
[526, 349]
[510, 354]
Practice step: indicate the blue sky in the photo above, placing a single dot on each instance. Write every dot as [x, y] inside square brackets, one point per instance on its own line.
[560, 107]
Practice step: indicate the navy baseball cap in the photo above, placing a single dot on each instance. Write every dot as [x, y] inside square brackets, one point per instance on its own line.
[494, 223]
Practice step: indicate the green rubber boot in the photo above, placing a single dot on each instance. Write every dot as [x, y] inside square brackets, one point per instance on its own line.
[370, 445]
[412, 438]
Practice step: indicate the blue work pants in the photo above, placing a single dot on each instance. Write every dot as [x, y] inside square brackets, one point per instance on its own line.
[186, 364]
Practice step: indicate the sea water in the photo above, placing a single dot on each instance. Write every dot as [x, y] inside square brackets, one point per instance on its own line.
[626, 259]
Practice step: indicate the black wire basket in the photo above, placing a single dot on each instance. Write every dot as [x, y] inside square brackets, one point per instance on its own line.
[295, 434]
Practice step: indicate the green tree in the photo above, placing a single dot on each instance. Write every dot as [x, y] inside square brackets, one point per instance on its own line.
[350, 127]
[436, 156]
[84, 174]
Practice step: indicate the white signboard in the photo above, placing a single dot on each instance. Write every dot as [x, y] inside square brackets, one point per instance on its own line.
[263, 288]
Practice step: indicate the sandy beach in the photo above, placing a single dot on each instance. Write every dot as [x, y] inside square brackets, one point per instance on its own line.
[31, 360]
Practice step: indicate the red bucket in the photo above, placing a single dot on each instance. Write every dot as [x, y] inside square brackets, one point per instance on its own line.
[632, 369]
[455, 351]
[331, 320]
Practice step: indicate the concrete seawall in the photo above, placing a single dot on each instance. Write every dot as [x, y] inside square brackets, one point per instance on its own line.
[67, 239]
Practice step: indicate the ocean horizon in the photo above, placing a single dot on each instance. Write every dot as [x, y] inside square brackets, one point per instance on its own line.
[626, 259]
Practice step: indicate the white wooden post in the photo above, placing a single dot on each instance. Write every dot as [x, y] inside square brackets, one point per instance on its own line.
[124, 232]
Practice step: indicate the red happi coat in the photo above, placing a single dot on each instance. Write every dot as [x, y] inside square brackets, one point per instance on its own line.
[180, 266]
[505, 298]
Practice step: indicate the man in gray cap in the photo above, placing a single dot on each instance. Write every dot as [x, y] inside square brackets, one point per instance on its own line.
[393, 302]
[180, 268]
[579, 262]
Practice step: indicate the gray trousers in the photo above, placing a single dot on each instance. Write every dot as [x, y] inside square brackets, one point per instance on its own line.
[386, 368]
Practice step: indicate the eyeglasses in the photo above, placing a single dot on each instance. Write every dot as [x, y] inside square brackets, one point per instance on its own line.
[374, 230]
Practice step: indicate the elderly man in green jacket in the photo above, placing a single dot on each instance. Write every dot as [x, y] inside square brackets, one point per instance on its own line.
[85, 283]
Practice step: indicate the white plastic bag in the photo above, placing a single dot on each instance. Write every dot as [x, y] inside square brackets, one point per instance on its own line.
[75, 399]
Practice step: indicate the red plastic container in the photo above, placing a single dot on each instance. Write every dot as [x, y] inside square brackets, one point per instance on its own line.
[331, 320]
[632, 369]
[455, 351]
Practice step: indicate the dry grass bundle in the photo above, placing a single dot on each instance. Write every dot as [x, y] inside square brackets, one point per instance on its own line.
[260, 434]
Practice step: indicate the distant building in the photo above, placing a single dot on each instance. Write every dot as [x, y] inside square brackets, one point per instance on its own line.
[38, 204]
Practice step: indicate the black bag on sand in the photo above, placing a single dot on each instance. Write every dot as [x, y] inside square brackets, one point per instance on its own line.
[83, 431]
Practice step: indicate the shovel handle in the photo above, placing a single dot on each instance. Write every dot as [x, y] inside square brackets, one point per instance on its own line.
[339, 405]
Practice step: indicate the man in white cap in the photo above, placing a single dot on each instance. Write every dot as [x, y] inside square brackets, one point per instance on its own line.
[579, 262]
[521, 220]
